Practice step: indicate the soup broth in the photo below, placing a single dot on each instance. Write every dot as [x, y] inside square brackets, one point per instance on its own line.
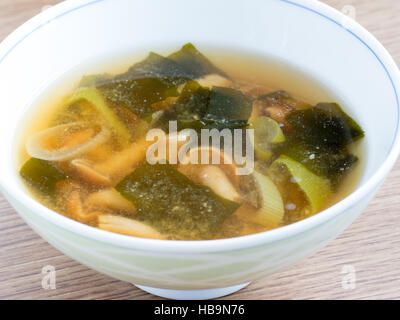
[115, 150]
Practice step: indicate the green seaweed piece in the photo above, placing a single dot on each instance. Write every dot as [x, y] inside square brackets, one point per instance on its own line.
[323, 161]
[195, 62]
[202, 108]
[173, 203]
[315, 188]
[152, 80]
[41, 175]
[95, 98]
[228, 108]
[324, 125]
[137, 95]
[189, 109]
[334, 111]
[229, 103]
[158, 67]
[320, 140]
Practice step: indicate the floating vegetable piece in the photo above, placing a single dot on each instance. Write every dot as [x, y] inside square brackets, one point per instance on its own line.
[321, 160]
[127, 226]
[41, 175]
[74, 208]
[205, 156]
[324, 125]
[269, 130]
[215, 178]
[333, 110]
[138, 95]
[228, 109]
[93, 96]
[266, 133]
[214, 80]
[172, 203]
[316, 189]
[189, 109]
[109, 199]
[229, 104]
[279, 114]
[155, 66]
[69, 195]
[114, 168]
[320, 138]
[201, 108]
[296, 204]
[271, 209]
[194, 62]
[122, 163]
[278, 105]
[84, 170]
[65, 142]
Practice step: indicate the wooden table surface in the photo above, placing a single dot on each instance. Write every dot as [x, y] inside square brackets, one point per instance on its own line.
[370, 247]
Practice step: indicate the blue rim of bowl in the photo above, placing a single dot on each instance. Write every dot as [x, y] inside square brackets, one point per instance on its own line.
[243, 242]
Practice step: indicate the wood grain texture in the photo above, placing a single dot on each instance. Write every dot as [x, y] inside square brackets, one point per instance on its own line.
[371, 245]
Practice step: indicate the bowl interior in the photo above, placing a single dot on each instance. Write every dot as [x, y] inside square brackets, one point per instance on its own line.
[310, 38]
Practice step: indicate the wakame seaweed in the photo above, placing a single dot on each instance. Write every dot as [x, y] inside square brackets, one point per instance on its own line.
[153, 79]
[228, 103]
[41, 175]
[203, 108]
[189, 109]
[137, 95]
[324, 125]
[335, 113]
[159, 67]
[195, 62]
[154, 66]
[323, 161]
[320, 140]
[174, 204]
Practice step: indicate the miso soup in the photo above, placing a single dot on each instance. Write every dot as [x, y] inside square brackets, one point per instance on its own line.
[187, 146]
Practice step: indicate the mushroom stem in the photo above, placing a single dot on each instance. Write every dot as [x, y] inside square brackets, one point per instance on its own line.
[124, 162]
[109, 199]
[214, 178]
[127, 226]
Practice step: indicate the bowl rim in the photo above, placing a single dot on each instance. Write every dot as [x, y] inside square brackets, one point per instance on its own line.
[220, 245]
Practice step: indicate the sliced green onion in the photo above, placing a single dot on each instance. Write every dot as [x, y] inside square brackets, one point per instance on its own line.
[315, 188]
[266, 132]
[272, 208]
[93, 96]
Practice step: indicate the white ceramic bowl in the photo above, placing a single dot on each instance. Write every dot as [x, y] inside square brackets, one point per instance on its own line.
[315, 38]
